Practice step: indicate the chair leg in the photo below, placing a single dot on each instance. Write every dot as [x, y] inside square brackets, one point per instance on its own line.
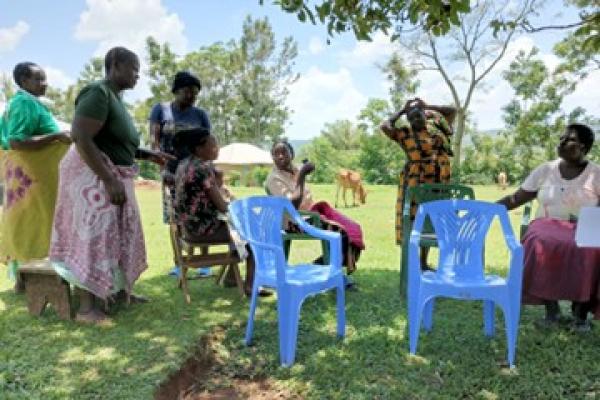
[428, 315]
[414, 325]
[511, 321]
[184, 283]
[238, 278]
[288, 318]
[341, 310]
[221, 275]
[250, 324]
[325, 249]
[403, 267]
[488, 318]
[287, 246]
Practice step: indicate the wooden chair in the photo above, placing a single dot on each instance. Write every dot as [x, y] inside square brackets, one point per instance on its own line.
[313, 219]
[43, 286]
[422, 194]
[197, 254]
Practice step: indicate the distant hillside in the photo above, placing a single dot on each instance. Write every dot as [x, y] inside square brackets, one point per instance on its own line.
[297, 144]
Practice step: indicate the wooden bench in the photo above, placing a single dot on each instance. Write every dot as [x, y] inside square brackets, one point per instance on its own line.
[42, 286]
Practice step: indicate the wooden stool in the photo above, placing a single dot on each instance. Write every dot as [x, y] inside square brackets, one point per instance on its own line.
[42, 286]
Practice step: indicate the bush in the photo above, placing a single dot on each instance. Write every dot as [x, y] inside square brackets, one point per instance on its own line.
[258, 175]
[235, 178]
[149, 170]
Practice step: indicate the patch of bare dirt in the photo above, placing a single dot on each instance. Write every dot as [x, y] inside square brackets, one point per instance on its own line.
[141, 183]
[199, 379]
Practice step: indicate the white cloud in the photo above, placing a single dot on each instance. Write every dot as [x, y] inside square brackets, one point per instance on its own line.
[368, 53]
[315, 46]
[57, 78]
[585, 95]
[129, 23]
[319, 97]
[10, 37]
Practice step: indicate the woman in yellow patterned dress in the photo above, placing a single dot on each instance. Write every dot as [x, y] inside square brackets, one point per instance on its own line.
[427, 145]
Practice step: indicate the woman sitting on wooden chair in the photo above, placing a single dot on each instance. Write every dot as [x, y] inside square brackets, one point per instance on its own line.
[199, 205]
[288, 181]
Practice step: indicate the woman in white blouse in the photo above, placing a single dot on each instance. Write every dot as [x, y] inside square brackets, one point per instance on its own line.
[555, 268]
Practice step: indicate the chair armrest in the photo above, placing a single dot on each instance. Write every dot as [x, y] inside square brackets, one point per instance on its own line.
[515, 272]
[525, 220]
[334, 239]
[312, 217]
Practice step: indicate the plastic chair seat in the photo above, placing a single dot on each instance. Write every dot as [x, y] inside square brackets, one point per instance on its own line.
[488, 281]
[299, 274]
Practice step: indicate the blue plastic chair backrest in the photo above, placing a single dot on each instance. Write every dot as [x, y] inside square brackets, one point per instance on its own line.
[461, 227]
[259, 221]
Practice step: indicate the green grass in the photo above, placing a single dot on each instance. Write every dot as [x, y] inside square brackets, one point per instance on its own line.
[45, 358]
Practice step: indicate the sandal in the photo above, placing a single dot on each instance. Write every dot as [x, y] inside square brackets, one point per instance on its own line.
[579, 326]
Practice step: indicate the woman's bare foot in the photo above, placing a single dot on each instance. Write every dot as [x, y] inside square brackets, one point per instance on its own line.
[123, 297]
[93, 316]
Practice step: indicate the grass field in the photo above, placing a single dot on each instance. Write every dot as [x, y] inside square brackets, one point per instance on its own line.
[45, 358]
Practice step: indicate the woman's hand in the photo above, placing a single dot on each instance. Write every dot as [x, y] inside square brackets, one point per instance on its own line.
[116, 191]
[156, 156]
[306, 168]
[419, 103]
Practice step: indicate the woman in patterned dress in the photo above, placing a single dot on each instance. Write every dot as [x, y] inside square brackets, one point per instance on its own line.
[426, 142]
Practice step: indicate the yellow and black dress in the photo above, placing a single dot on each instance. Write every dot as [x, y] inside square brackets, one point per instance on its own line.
[428, 160]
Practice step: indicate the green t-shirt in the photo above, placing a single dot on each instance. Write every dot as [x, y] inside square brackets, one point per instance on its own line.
[118, 138]
[25, 116]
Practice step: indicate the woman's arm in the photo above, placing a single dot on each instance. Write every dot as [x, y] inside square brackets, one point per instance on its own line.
[39, 141]
[155, 156]
[517, 199]
[155, 135]
[215, 196]
[298, 193]
[448, 112]
[83, 133]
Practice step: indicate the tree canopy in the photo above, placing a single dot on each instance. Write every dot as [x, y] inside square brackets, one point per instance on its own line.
[364, 18]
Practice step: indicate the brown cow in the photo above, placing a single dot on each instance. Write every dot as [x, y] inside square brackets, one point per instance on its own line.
[348, 179]
[502, 180]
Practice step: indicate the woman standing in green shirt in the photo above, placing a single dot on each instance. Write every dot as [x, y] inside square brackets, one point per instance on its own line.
[97, 240]
[30, 168]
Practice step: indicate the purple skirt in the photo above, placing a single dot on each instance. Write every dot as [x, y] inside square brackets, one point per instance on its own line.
[556, 269]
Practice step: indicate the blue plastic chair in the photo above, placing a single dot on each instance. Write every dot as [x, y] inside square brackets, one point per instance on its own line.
[259, 221]
[461, 227]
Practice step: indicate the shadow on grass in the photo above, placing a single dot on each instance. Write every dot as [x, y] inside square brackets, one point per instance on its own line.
[455, 360]
[52, 359]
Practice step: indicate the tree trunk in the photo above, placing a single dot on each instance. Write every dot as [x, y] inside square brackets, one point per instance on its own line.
[461, 119]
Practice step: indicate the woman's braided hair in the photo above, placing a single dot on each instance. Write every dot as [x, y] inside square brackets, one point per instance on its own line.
[286, 144]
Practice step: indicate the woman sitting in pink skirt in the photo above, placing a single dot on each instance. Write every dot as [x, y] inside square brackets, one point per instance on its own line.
[555, 268]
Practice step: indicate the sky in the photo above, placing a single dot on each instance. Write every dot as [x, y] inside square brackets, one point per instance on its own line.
[336, 80]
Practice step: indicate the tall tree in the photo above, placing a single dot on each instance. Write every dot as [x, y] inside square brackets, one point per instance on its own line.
[365, 18]
[534, 116]
[244, 82]
[264, 77]
[403, 80]
[476, 45]
[64, 100]
[7, 87]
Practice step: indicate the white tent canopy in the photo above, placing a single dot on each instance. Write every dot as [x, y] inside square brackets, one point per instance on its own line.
[241, 154]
